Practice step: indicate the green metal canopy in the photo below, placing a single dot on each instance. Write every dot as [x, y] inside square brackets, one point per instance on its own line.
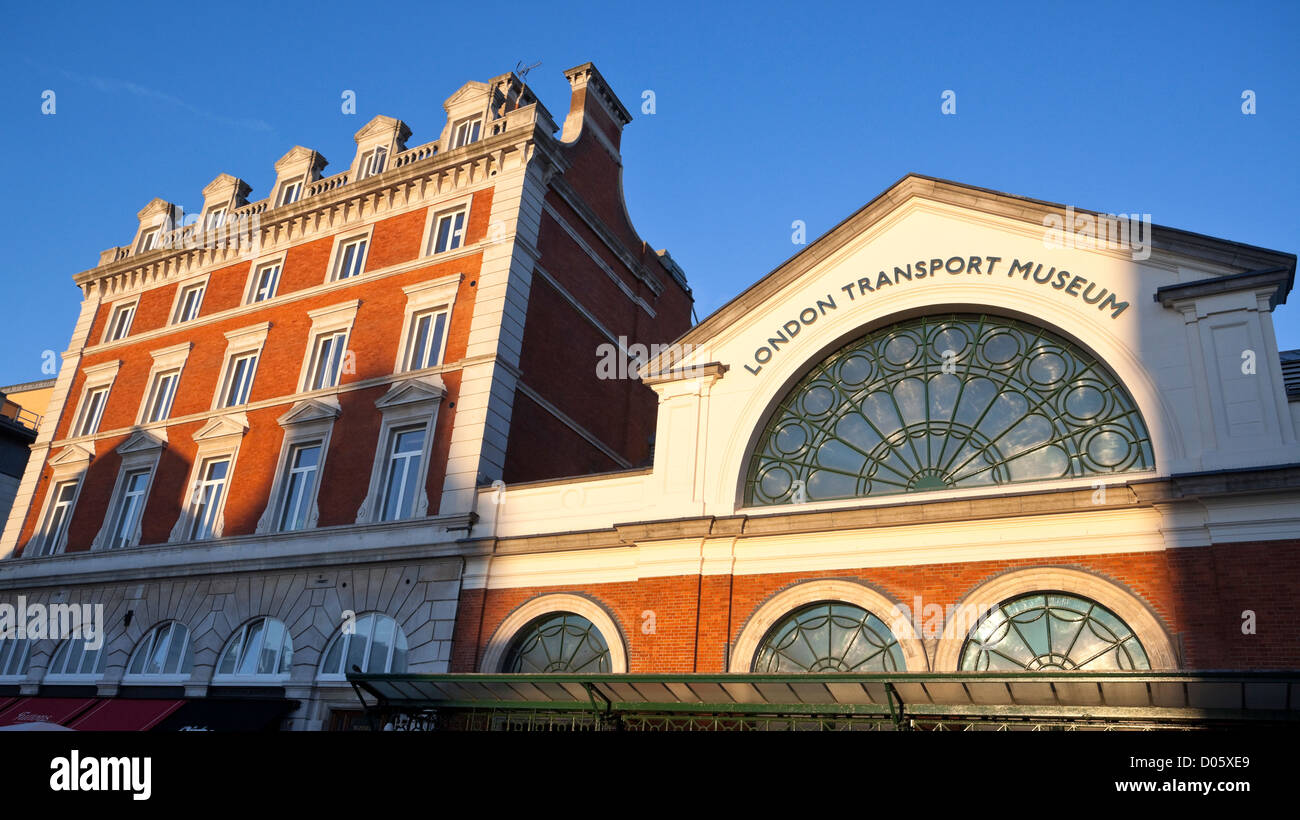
[891, 701]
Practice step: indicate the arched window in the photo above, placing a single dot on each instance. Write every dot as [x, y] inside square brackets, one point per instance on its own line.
[829, 637]
[558, 642]
[75, 658]
[949, 401]
[14, 655]
[164, 652]
[260, 648]
[1052, 631]
[373, 644]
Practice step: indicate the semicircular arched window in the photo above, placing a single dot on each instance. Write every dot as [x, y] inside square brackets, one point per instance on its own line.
[374, 644]
[1052, 631]
[164, 652]
[558, 642]
[949, 401]
[77, 658]
[261, 648]
[15, 654]
[829, 637]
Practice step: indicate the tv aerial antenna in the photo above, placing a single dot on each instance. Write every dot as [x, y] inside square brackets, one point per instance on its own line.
[522, 70]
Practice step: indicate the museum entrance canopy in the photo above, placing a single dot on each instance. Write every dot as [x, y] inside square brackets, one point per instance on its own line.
[825, 701]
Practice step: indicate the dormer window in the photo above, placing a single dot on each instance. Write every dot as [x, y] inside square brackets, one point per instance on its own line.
[290, 192]
[465, 132]
[216, 218]
[149, 240]
[372, 162]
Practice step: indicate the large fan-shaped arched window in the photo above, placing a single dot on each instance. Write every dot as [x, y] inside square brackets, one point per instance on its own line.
[829, 637]
[949, 401]
[1049, 632]
[558, 642]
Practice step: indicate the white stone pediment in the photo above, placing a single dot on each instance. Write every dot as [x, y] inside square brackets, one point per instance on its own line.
[299, 154]
[72, 455]
[309, 410]
[143, 441]
[471, 91]
[234, 424]
[412, 391]
[383, 125]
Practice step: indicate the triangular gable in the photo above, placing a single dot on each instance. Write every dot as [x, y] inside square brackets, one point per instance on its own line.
[1234, 256]
[383, 125]
[235, 424]
[300, 154]
[468, 91]
[424, 388]
[309, 410]
[142, 441]
[72, 454]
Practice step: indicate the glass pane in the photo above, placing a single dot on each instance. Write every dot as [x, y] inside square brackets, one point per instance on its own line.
[381, 645]
[420, 342]
[248, 658]
[358, 644]
[1052, 632]
[558, 642]
[76, 648]
[269, 650]
[829, 637]
[942, 402]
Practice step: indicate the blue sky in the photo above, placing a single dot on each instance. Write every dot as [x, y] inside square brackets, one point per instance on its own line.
[765, 113]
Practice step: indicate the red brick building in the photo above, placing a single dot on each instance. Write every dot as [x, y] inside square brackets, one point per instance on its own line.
[968, 457]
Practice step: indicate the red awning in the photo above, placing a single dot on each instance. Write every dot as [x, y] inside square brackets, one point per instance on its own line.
[44, 710]
[125, 715]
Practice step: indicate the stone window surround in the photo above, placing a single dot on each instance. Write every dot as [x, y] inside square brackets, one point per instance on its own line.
[219, 438]
[325, 321]
[96, 376]
[181, 287]
[249, 339]
[342, 238]
[250, 287]
[494, 654]
[337, 635]
[74, 677]
[164, 359]
[451, 206]
[132, 302]
[1122, 602]
[308, 420]
[281, 188]
[69, 465]
[141, 451]
[408, 403]
[785, 602]
[145, 678]
[234, 679]
[424, 296]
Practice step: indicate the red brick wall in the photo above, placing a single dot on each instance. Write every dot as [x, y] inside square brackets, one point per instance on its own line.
[374, 342]
[1198, 594]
